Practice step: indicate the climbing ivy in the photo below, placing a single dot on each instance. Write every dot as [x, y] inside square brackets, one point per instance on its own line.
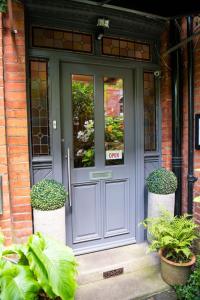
[3, 5]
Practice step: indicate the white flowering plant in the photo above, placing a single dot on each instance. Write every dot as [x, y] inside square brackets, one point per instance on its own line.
[86, 137]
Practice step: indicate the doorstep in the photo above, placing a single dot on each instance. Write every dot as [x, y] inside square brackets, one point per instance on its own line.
[139, 274]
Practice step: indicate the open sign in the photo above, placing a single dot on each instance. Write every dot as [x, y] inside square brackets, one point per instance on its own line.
[113, 154]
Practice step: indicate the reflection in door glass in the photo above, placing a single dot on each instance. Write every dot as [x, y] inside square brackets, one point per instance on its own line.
[83, 120]
[114, 120]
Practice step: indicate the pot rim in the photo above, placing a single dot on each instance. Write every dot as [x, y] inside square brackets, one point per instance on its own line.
[186, 264]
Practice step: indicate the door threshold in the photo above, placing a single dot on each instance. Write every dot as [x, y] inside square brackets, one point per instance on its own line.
[103, 247]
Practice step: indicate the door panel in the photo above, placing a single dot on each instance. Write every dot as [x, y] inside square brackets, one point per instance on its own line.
[116, 208]
[86, 227]
[98, 127]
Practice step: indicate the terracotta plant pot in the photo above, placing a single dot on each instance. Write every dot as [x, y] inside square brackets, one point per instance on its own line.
[175, 273]
[196, 246]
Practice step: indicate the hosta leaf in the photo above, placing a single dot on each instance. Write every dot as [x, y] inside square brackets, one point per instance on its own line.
[54, 265]
[34, 256]
[17, 283]
[19, 251]
[186, 252]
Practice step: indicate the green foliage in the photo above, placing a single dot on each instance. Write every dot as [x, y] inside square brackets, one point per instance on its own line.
[83, 104]
[17, 282]
[54, 265]
[3, 5]
[114, 129]
[191, 290]
[83, 116]
[88, 158]
[161, 181]
[174, 235]
[48, 194]
[44, 266]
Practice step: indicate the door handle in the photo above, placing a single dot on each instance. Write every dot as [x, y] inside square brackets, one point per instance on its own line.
[69, 176]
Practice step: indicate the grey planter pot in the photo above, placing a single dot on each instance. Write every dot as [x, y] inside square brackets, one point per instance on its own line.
[157, 202]
[50, 223]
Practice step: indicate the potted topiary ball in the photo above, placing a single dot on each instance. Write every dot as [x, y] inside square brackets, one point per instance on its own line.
[48, 199]
[161, 185]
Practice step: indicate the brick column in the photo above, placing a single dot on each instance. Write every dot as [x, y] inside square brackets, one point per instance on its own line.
[197, 110]
[6, 218]
[16, 123]
[166, 103]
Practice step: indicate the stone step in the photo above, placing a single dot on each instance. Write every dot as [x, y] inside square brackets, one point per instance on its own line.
[129, 286]
[132, 259]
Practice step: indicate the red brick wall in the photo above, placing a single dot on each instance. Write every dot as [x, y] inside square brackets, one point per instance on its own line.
[166, 104]
[6, 218]
[17, 208]
[185, 121]
[197, 110]
[166, 114]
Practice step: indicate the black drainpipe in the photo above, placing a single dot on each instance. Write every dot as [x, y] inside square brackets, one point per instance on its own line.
[177, 108]
[191, 179]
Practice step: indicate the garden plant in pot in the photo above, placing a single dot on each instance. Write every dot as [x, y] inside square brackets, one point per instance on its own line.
[172, 237]
[48, 199]
[42, 268]
[161, 185]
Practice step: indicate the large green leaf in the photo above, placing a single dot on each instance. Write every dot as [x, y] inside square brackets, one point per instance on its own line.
[17, 282]
[54, 266]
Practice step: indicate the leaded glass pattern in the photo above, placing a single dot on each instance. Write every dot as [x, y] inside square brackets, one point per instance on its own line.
[60, 39]
[149, 112]
[39, 108]
[126, 48]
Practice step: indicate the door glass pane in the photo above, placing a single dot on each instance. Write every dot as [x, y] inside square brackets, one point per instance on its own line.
[149, 112]
[83, 120]
[114, 120]
[40, 132]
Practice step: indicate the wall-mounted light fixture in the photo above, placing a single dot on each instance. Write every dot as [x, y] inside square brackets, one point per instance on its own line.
[102, 25]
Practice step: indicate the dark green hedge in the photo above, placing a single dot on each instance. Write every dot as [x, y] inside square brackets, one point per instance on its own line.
[161, 181]
[3, 5]
[48, 194]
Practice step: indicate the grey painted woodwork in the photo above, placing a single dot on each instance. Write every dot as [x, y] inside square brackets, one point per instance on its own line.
[79, 16]
[103, 211]
[42, 168]
[69, 15]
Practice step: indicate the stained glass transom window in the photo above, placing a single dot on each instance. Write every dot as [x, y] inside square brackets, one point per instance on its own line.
[60, 39]
[39, 108]
[126, 48]
[149, 112]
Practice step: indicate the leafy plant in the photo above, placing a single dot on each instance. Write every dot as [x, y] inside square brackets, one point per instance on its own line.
[161, 181]
[83, 124]
[86, 144]
[191, 290]
[174, 235]
[17, 282]
[48, 194]
[44, 266]
[114, 129]
[88, 158]
[3, 5]
[82, 98]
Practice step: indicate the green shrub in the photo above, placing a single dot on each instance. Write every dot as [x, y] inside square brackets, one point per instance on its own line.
[48, 194]
[42, 266]
[161, 181]
[174, 235]
[191, 290]
[3, 5]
